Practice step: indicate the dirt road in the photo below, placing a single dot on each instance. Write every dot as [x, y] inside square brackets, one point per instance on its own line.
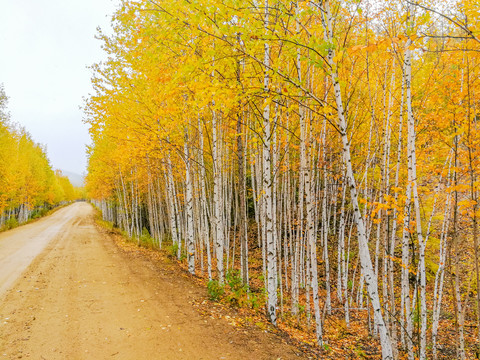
[18, 247]
[83, 297]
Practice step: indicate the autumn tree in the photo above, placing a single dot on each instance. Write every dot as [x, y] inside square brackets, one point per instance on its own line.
[294, 141]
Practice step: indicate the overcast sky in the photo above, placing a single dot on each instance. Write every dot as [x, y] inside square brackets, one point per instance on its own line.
[45, 47]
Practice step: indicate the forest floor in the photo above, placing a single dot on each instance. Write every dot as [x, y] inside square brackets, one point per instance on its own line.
[91, 295]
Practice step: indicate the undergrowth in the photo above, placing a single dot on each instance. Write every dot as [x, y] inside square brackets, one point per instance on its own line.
[35, 214]
[10, 224]
[234, 291]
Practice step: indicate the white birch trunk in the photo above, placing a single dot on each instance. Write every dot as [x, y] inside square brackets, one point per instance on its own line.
[310, 221]
[267, 188]
[204, 204]
[328, 297]
[440, 274]
[416, 202]
[171, 201]
[406, 315]
[217, 201]
[189, 208]
[364, 253]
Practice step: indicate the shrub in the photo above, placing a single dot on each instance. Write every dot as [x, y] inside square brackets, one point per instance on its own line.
[39, 212]
[172, 250]
[146, 240]
[215, 290]
[239, 291]
[10, 223]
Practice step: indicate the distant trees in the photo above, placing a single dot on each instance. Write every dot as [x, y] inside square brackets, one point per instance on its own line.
[27, 181]
[296, 140]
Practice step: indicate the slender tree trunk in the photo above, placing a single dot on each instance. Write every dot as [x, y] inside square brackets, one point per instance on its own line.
[189, 207]
[473, 198]
[217, 200]
[205, 208]
[440, 274]
[270, 241]
[364, 253]
[242, 224]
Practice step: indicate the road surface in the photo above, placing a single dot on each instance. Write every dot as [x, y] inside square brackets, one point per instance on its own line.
[18, 247]
[83, 297]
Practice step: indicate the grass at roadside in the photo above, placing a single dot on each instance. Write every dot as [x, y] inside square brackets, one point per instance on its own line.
[36, 214]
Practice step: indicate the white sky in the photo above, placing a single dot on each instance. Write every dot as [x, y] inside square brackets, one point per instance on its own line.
[45, 47]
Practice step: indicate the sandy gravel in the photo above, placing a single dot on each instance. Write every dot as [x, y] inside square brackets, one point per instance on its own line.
[83, 297]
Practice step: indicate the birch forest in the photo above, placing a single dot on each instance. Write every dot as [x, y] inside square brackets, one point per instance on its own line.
[315, 161]
[29, 187]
